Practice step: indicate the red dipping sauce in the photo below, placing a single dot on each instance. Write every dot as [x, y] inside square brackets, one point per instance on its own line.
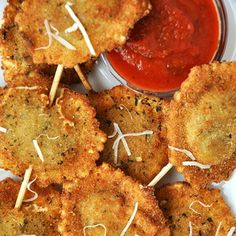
[165, 45]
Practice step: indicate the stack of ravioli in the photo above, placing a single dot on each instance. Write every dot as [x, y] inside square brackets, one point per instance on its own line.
[94, 156]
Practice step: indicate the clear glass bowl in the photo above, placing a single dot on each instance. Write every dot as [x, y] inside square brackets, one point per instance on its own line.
[224, 14]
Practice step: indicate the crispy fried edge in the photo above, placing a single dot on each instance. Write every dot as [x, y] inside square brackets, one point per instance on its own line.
[164, 193]
[124, 184]
[189, 94]
[120, 95]
[70, 169]
[9, 190]
[141, 9]
[37, 74]
[46, 194]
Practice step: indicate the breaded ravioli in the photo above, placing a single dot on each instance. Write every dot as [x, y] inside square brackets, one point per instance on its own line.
[202, 120]
[103, 204]
[15, 58]
[106, 23]
[38, 217]
[11, 220]
[204, 211]
[42, 216]
[17, 62]
[61, 142]
[134, 113]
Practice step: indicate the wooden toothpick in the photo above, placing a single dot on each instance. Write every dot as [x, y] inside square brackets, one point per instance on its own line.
[161, 174]
[83, 78]
[23, 187]
[55, 83]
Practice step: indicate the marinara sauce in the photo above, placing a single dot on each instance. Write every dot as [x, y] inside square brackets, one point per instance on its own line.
[165, 45]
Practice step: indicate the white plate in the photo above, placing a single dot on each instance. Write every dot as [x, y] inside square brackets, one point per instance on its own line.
[101, 79]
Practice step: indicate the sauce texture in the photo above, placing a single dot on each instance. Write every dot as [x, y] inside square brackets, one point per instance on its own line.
[165, 45]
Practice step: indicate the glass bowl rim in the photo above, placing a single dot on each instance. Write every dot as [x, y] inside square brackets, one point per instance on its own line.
[223, 29]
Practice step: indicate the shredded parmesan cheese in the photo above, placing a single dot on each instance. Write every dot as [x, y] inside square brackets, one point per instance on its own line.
[118, 130]
[26, 88]
[218, 229]
[146, 132]
[138, 159]
[3, 130]
[39, 208]
[29, 189]
[186, 152]
[37, 148]
[197, 164]
[61, 40]
[56, 37]
[122, 136]
[130, 219]
[121, 106]
[49, 138]
[49, 33]
[81, 28]
[231, 231]
[201, 203]
[114, 132]
[94, 226]
[190, 228]
[71, 29]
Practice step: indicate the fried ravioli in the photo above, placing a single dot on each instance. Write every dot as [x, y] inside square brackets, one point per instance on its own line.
[106, 22]
[61, 142]
[202, 121]
[19, 69]
[105, 201]
[39, 217]
[15, 58]
[11, 220]
[205, 210]
[42, 215]
[133, 113]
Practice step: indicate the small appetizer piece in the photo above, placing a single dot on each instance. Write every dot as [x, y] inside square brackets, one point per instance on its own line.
[109, 203]
[61, 142]
[14, 56]
[136, 132]
[72, 32]
[39, 214]
[192, 212]
[41, 210]
[202, 126]
[19, 69]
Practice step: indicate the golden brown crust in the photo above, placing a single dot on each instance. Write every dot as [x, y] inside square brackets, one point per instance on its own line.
[108, 197]
[202, 120]
[133, 113]
[19, 69]
[107, 24]
[175, 200]
[42, 216]
[67, 133]
[11, 222]
[15, 58]
[9, 190]
[38, 217]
